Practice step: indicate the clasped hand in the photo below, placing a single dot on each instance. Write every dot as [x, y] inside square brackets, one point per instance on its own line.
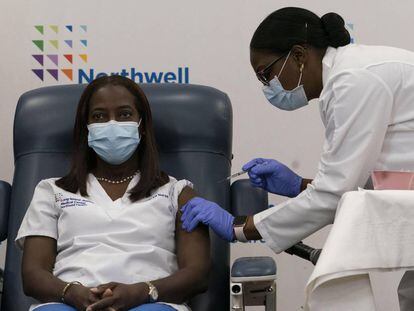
[111, 296]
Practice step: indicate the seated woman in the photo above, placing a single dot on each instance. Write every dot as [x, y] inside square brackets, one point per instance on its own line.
[108, 235]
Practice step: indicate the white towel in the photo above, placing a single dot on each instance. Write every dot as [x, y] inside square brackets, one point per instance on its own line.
[373, 231]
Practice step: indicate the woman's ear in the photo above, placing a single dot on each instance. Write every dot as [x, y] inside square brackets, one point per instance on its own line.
[300, 55]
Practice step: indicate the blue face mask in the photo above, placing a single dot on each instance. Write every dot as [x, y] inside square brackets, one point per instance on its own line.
[285, 99]
[114, 142]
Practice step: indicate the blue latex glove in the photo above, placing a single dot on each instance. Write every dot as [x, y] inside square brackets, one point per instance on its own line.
[273, 176]
[198, 210]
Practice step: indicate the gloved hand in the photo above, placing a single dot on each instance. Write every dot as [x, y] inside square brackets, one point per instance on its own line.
[273, 176]
[199, 210]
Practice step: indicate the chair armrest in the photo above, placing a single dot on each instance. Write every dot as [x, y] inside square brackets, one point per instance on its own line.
[246, 199]
[5, 191]
[252, 269]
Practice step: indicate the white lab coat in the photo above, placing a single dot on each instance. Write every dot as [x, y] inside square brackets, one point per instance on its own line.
[367, 107]
[100, 240]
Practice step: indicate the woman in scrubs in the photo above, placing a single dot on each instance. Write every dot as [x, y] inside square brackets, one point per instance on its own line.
[107, 236]
[365, 96]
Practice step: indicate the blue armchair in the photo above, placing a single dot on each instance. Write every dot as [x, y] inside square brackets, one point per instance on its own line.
[193, 127]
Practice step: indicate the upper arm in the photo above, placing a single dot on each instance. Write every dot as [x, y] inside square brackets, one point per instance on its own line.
[35, 260]
[193, 249]
[38, 233]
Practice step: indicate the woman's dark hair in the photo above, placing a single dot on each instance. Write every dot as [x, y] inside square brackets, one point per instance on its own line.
[84, 158]
[286, 27]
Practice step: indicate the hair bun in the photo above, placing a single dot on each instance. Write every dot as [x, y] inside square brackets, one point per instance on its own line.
[334, 26]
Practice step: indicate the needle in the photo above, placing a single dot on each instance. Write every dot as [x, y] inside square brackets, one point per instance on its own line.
[233, 176]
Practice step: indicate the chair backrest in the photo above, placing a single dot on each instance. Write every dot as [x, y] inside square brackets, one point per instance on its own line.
[193, 127]
[246, 199]
[5, 190]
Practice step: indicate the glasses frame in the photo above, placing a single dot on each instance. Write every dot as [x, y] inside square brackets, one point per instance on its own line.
[261, 75]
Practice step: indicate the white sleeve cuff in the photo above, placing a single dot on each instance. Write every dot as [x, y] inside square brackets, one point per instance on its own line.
[21, 236]
[176, 190]
[261, 227]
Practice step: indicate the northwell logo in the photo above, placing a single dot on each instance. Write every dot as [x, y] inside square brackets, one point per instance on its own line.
[60, 54]
[182, 75]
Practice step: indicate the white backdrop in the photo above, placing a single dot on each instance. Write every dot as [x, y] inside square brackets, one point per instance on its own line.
[208, 40]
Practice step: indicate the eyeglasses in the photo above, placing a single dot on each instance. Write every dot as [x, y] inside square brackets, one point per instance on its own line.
[262, 74]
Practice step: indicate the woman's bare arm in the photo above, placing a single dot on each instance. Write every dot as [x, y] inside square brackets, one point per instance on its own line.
[193, 255]
[39, 256]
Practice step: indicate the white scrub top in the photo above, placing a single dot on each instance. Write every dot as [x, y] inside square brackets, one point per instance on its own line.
[367, 107]
[100, 240]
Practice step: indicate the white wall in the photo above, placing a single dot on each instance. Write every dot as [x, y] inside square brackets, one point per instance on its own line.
[209, 37]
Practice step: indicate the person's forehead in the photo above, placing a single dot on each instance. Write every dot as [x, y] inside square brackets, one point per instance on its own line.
[112, 94]
[260, 59]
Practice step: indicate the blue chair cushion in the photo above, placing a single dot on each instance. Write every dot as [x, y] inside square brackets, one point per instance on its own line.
[253, 266]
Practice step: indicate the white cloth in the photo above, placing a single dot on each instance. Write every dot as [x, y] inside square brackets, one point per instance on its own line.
[367, 108]
[100, 240]
[373, 232]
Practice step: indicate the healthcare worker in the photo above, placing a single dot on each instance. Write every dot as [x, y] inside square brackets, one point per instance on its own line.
[366, 100]
[108, 230]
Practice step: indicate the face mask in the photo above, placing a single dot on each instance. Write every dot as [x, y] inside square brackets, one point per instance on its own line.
[114, 142]
[284, 99]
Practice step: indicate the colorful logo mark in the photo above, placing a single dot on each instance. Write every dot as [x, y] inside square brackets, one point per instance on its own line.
[57, 49]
